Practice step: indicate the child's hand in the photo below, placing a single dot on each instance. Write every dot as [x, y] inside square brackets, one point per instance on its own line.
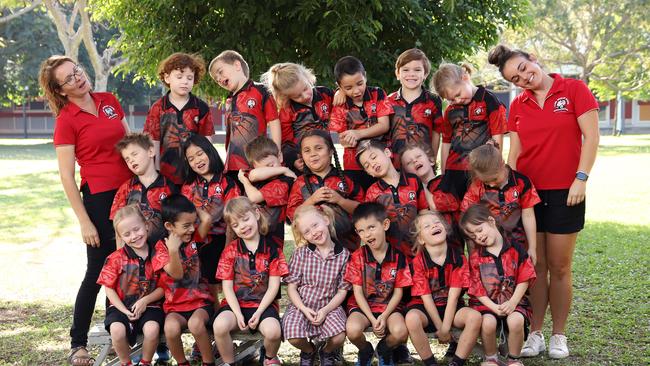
[379, 328]
[320, 195]
[254, 321]
[204, 215]
[333, 196]
[138, 308]
[350, 137]
[310, 314]
[130, 315]
[242, 177]
[173, 241]
[299, 164]
[497, 309]
[289, 173]
[339, 98]
[240, 321]
[444, 336]
[507, 307]
[320, 317]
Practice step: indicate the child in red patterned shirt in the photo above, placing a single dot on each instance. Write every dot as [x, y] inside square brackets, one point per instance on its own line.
[500, 274]
[130, 285]
[440, 278]
[250, 269]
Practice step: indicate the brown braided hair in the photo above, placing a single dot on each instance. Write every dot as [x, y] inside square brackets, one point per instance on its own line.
[330, 144]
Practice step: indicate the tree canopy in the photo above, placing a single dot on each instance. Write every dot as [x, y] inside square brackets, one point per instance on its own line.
[315, 33]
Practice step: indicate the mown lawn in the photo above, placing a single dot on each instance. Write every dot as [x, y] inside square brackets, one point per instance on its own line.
[43, 260]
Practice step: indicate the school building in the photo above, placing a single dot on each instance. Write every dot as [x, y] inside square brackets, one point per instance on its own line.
[34, 119]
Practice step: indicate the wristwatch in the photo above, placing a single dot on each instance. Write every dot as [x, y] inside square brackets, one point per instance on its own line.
[582, 176]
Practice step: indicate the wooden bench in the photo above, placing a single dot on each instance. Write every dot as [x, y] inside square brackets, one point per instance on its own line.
[98, 336]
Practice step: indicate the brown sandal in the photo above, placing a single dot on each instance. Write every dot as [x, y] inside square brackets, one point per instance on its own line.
[80, 360]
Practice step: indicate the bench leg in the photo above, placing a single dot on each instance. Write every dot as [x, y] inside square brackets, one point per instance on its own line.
[244, 350]
[102, 355]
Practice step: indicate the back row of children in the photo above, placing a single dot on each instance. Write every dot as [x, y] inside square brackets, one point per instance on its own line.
[186, 156]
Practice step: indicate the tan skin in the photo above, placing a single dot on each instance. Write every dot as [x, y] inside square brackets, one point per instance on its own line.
[77, 92]
[554, 251]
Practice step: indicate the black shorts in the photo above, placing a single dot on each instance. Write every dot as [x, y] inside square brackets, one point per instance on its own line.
[133, 328]
[188, 314]
[361, 178]
[270, 312]
[455, 182]
[431, 328]
[358, 310]
[554, 216]
[209, 255]
[502, 323]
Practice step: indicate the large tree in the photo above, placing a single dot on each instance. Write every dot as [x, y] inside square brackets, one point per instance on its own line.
[313, 32]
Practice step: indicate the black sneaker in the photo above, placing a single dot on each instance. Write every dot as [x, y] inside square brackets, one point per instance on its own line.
[451, 350]
[307, 359]
[402, 355]
[365, 355]
[328, 358]
[385, 355]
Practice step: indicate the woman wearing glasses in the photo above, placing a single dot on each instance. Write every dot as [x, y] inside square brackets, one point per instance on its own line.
[88, 125]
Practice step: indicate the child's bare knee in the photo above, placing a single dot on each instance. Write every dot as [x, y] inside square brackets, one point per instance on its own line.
[413, 321]
[337, 341]
[515, 322]
[489, 323]
[151, 330]
[172, 328]
[273, 333]
[296, 341]
[354, 330]
[118, 330]
[473, 320]
[196, 325]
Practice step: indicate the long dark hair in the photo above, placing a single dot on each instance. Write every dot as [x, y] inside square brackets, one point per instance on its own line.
[330, 144]
[200, 141]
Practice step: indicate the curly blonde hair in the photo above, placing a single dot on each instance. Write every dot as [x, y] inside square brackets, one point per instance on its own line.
[323, 211]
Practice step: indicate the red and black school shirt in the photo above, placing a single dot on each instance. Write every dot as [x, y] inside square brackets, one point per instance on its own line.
[94, 137]
[171, 126]
[190, 292]
[550, 136]
[402, 205]
[466, 127]
[275, 192]
[296, 119]
[212, 196]
[413, 122]
[429, 278]
[250, 272]
[377, 279]
[131, 276]
[506, 203]
[306, 184]
[148, 200]
[248, 111]
[349, 116]
[497, 276]
[446, 203]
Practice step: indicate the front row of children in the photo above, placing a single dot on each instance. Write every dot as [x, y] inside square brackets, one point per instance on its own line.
[160, 287]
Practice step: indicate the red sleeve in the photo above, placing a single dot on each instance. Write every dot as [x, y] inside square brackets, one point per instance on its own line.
[295, 196]
[403, 276]
[64, 132]
[513, 117]
[384, 107]
[497, 121]
[460, 275]
[186, 190]
[583, 99]
[420, 280]
[110, 274]
[270, 109]
[161, 258]
[152, 123]
[476, 288]
[226, 267]
[275, 193]
[286, 122]
[120, 198]
[472, 196]
[206, 124]
[446, 128]
[278, 266]
[526, 272]
[529, 197]
[295, 273]
[372, 193]
[353, 270]
[337, 119]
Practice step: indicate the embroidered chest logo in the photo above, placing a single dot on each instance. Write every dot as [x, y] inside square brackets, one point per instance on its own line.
[373, 108]
[218, 190]
[411, 196]
[193, 245]
[515, 193]
[561, 104]
[163, 196]
[196, 119]
[393, 273]
[427, 112]
[323, 108]
[478, 111]
[341, 186]
[109, 111]
[250, 103]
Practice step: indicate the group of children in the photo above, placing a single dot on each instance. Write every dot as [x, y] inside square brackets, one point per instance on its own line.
[380, 242]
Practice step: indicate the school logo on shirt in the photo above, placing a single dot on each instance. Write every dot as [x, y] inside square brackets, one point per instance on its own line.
[341, 186]
[218, 190]
[373, 108]
[393, 273]
[323, 108]
[163, 196]
[427, 112]
[411, 196]
[194, 245]
[251, 103]
[109, 111]
[478, 111]
[561, 105]
[515, 193]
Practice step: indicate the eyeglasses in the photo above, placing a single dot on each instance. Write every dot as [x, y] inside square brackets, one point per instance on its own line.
[77, 71]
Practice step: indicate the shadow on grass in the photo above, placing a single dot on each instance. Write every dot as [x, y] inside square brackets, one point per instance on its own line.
[44, 151]
[33, 207]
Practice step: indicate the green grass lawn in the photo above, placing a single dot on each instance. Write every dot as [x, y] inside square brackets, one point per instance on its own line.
[43, 260]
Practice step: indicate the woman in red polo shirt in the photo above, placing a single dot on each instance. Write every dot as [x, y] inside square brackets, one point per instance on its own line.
[88, 125]
[554, 137]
